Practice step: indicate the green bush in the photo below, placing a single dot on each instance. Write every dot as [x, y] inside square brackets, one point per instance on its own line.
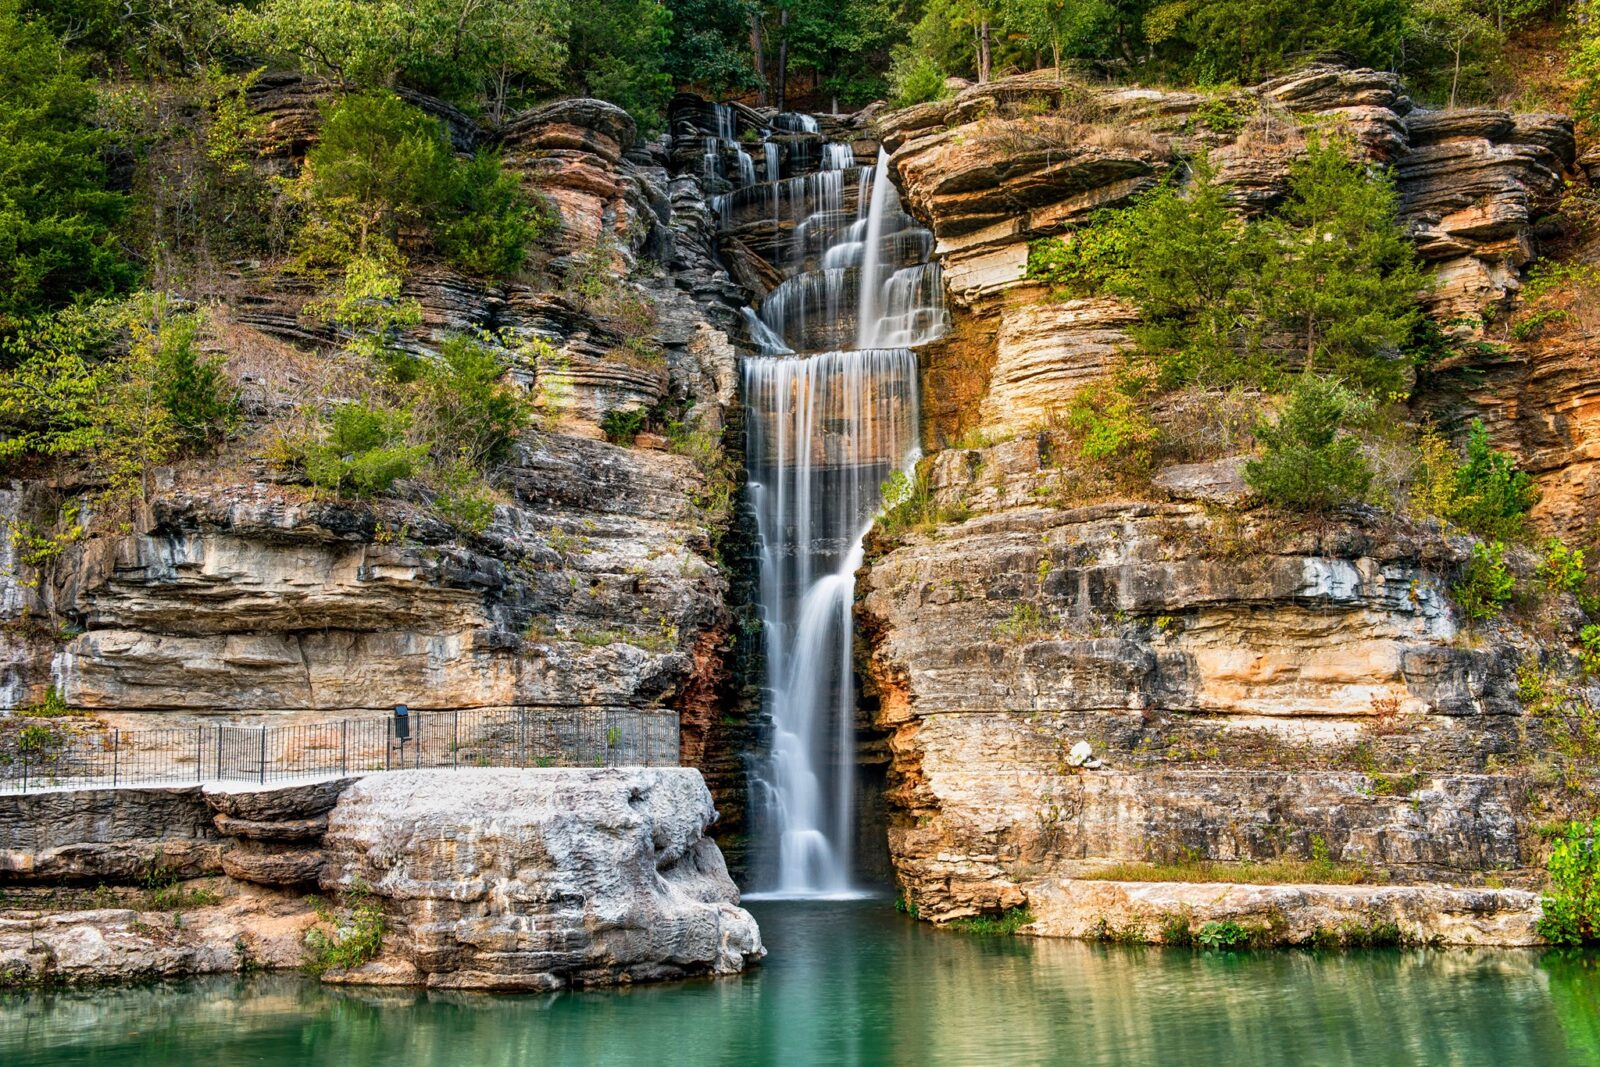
[362, 450]
[622, 425]
[468, 412]
[915, 78]
[1225, 934]
[1308, 461]
[1571, 909]
[1486, 583]
[382, 168]
[1005, 924]
[193, 389]
[1493, 498]
[353, 935]
[1112, 426]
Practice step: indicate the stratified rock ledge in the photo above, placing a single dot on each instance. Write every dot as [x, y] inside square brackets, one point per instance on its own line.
[1286, 914]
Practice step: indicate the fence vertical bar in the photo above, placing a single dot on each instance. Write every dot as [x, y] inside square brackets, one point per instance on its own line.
[455, 740]
[388, 742]
[263, 767]
[24, 770]
[344, 746]
[115, 757]
[199, 756]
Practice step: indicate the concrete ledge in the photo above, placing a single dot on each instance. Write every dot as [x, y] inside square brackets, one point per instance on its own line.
[1287, 914]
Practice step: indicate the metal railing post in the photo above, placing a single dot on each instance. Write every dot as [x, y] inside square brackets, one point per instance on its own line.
[388, 742]
[199, 753]
[455, 740]
[263, 767]
[344, 746]
[115, 757]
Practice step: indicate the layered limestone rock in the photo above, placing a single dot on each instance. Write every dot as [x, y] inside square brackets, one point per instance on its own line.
[238, 591]
[1000, 164]
[581, 877]
[488, 879]
[1289, 914]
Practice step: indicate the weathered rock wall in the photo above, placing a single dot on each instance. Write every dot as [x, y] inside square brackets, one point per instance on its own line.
[1252, 688]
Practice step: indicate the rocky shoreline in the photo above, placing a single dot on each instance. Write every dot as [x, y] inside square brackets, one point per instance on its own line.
[473, 879]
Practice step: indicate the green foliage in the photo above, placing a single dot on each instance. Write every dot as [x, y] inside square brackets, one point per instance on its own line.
[120, 386]
[57, 212]
[467, 411]
[909, 503]
[1493, 498]
[501, 49]
[616, 50]
[1562, 570]
[1584, 67]
[197, 394]
[1571, 909]
[1486, 584]
[710, 46]
[622, 425]
[1308, 461]
[1338, 272]
[1005, 924]
[1589, 648]
[348, 936]
[1113, 425]
[383, 168]
[1225, 934]
[1330, 279]
[362, 450]
[915, 79]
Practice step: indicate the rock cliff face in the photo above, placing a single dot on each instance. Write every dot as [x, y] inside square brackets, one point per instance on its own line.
[487, 879]
[237, 592]
[1251, 688]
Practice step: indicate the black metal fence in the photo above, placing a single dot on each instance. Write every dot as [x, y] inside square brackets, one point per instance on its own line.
[51, 753]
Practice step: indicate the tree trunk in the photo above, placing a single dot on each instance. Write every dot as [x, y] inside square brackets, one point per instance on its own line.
[783, 58]
[983, 51]
[760, 59]
[1455, 76]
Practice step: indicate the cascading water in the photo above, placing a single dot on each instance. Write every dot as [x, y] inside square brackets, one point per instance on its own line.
[831, 412]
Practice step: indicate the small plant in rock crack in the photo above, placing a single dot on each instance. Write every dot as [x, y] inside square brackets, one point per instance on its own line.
[1226, 934]
[348, 936]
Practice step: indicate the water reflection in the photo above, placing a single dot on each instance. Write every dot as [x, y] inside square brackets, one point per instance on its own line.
[853, 983]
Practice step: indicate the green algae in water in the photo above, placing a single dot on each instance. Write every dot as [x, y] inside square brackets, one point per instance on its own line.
[857, 983]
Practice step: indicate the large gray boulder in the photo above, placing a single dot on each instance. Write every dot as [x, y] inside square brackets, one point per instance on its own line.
[506, 879]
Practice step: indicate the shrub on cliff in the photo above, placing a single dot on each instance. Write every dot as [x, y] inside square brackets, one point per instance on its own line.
[362, 450]
[1486, 584]
[467, 411]
[1309, 461]
[383, 176]
[1481, 491]
[1571, 909]
[1329, 282]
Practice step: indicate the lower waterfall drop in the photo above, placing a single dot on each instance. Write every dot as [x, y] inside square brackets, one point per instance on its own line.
[831, 402]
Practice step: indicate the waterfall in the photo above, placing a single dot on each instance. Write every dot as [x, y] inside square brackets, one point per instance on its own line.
[831, 404]
[823, 434]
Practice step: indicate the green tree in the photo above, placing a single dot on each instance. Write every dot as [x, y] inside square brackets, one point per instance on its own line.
[455, 48]
[616, 52]
[383, 168]
[1571, 909]
[1308, 461]
[1492, 497]
[1338, 274]
[57, 214]
[710, 45]
[467, 411]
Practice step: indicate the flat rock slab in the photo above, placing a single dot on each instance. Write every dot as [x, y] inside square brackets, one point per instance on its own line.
[1424, 914]
[539, 879]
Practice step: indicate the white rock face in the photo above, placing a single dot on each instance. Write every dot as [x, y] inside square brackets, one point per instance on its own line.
[537, 879]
